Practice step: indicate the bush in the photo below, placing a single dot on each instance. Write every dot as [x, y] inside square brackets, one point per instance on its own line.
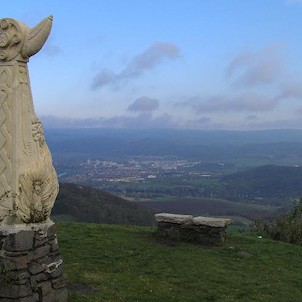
[287, 227]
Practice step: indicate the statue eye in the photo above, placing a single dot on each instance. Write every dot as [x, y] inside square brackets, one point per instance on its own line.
[4, 40]
[4, 24]
[16, 38]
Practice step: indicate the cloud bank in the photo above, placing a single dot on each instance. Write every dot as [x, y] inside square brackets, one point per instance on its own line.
[249, 102]
[143, 120]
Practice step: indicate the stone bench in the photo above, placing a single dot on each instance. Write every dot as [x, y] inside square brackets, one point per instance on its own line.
[207, 231]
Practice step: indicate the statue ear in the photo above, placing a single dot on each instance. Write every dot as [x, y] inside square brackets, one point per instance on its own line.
[36, 37]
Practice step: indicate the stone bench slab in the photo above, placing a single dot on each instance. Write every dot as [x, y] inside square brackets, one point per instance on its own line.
[189, 219]
[211, 221]
[173, 218]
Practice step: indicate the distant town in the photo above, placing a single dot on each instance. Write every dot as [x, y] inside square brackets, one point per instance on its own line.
[145, 176]
[136, 169]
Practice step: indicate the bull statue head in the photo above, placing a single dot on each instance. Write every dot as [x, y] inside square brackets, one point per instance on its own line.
[19, 42]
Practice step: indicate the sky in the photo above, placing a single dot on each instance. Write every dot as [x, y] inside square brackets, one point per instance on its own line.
[196, 64]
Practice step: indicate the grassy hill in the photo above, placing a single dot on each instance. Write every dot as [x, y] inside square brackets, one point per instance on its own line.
[120, 263]
[85, 204]
[270, 181]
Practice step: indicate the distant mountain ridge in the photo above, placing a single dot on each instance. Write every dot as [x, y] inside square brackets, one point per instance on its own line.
[267, 147]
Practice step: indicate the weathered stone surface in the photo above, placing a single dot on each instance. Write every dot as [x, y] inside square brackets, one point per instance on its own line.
[173, 218]
[52, 230]
[45, 287]
[2, 237]
[32, 298]
[28, 184]
[211, 221]
[14, 291]
[21, 277]
[58, 272]
[200, 230]
[58, 282]
[20, 262]
[35, 268]
[41, 252]
[20, 241]
[40, 241]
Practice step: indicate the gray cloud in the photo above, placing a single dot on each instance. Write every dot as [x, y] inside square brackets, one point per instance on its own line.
[103, 78]
[256, 68]
[250, 102]
[144, 104]
[145, 61]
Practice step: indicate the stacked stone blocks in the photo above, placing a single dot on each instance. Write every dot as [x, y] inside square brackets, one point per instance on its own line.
[31, 266]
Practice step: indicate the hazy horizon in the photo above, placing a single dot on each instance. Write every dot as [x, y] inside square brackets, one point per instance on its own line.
[53, 122]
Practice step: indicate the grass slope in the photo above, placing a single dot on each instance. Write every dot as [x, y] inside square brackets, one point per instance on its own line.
[85, 204]
[116, 263]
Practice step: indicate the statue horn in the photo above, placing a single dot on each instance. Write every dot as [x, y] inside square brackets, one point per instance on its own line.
[36, 37]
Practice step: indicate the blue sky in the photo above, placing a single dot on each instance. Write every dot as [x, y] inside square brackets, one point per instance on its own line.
[202, 64]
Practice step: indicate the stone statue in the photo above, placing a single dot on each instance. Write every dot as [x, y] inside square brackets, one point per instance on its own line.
[28, 181]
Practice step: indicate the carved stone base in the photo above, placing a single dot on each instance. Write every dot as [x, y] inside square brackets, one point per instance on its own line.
[31, 268]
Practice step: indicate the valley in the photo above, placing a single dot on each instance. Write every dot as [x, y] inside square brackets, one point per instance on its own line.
[240, 174]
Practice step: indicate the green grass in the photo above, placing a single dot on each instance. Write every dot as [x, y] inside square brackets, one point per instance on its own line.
[116, 263]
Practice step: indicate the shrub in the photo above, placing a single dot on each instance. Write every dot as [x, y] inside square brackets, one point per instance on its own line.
[287, 227]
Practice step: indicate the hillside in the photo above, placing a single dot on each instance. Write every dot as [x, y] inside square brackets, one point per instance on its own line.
[280, 182]
[118, 263]
[85, 204]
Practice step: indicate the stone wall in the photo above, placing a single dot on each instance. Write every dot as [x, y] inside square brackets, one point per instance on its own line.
[206, 231]
[31, 267]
